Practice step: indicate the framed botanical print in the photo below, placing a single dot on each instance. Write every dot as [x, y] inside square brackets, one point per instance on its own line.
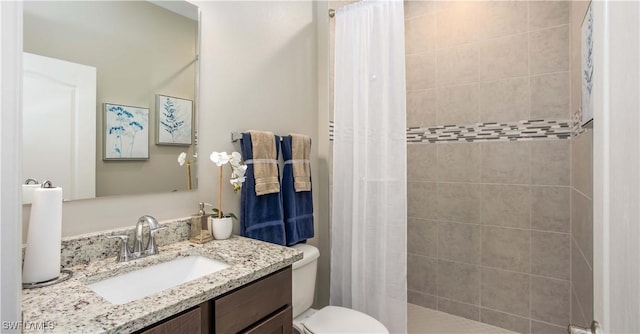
[174, 121]
[126, 132]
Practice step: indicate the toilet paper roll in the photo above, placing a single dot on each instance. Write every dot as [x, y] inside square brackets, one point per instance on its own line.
[42, 254]
[27, 192]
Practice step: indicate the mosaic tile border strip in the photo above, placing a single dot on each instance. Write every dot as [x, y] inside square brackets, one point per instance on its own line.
[578, 129]
[491, 131]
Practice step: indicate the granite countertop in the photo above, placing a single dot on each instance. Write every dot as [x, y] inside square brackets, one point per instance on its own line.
[71, 307]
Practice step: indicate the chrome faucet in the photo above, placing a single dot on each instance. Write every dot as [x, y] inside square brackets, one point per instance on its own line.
[151, 247]
[139, 251]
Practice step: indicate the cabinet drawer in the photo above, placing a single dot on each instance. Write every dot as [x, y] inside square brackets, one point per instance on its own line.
[189, 322]
[243, 307]
[279, 323]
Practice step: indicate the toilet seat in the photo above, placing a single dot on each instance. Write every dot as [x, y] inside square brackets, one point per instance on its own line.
[336, 319]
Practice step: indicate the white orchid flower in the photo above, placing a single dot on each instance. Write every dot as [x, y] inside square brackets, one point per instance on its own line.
[235, 159]
[237, 181]
[219, 158]
[237, 176]
[240, 170]
[182, 158]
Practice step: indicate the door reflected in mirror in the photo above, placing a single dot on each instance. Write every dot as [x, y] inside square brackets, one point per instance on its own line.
[82, 55]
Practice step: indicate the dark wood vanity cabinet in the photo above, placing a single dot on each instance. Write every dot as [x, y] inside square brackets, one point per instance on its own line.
[194, 320]
[260, 307]
[241, 310]
[278, 323]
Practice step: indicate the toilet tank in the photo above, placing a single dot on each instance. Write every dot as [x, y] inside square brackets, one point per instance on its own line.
[304, 278]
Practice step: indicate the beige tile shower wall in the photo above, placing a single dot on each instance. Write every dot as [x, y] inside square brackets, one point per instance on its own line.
[582, 229]
[581, 191]
[487, 239]
[489, 222]
[489, 61]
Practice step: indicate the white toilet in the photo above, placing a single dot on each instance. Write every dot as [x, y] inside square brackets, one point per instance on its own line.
[329, 319]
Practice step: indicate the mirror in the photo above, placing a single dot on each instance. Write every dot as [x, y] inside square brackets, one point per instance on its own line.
[110, 96]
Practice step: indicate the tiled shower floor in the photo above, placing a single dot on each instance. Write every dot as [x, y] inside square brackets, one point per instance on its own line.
[422, 320]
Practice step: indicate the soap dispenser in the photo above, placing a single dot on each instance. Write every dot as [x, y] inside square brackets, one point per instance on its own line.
[199, 232]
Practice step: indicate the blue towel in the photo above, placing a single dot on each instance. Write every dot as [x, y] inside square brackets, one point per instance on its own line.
[298, 206]
[261, 216]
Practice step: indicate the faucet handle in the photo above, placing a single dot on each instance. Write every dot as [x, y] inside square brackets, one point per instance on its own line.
[152, 247]
[124, 254]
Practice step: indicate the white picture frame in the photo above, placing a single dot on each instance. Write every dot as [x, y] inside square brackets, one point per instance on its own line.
[126, 132]
[174, 121]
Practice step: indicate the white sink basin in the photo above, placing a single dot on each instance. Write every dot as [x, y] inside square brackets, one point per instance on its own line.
[146, 281]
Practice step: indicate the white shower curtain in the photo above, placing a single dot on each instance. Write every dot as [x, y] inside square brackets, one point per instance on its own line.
[369, 218]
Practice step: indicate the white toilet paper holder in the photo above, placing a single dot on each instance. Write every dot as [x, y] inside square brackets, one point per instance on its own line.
[28, 181]
[65, 274]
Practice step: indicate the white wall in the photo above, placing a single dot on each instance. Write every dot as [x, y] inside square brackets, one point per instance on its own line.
[616, 145]
[259, 71]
